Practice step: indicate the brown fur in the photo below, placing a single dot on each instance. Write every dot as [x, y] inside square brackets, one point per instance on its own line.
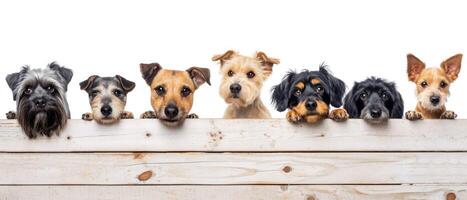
[432, 81]
[300, 112]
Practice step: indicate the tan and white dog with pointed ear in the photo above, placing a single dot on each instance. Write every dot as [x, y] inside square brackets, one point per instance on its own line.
[432, 87]
[242, 80]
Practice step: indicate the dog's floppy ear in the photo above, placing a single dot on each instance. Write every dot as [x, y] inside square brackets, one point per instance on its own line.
[398, 107]
[280, 93]
[127, 85]
[223, 57]
[86, 84]
[414, 67]
[199, 75]
[266, 62]
[336, 85]
[64, 72]
[452, 66]
[350, 105]
[149, 71]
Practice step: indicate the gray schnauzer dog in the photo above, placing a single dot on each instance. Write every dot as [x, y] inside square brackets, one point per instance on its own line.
[107, 96]
[41, 105]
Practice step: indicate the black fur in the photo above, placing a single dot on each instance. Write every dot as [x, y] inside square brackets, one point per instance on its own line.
[391, 105]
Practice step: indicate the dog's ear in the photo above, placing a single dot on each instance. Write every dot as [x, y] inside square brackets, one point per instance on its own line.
[14, 79]
[86, 84]
[199, 75]
[336, 85]
[398, 107]
[149, 71]
[223, 57]
[64, 72]
[280, 93]
[127, 85]
[414, 67]
[452, 66]
[350, 104]
[266, 62]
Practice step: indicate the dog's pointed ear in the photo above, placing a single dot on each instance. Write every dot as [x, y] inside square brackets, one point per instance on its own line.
[13, 80]
[65, 73]
[398, 107]
[337, 87]
[149, 71]
[414, 67]
[452, 66]
[86, 84]
[266, 62]
[350, 103]
[224, 57]
[127, 85]
[199, 75]
[281, 92]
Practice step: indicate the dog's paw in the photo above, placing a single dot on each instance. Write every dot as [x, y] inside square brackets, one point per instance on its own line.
[413, 115]
[339, 115]
[148, 115]
[293, 117]
[86, 116]
[192, 116]
[127, 115]
[449, 115]
[11, 115]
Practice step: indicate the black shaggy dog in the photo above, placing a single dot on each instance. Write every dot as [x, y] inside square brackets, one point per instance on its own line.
[308, 95]
[375, 100]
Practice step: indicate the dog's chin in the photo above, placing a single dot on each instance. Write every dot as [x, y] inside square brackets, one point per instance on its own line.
[106, 120]
[42, 122]
[172, 122]
[368, 118]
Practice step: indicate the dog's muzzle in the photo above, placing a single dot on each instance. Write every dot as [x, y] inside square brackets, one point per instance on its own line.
[311, 105]
[435, 99]
[235, 89]
[106, 110]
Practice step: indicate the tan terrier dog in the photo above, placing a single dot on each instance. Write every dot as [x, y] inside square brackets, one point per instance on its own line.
[432, 87]
[242, 80]
[172, 92]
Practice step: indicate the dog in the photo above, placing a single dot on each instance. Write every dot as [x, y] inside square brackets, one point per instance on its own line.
[172, 92]
[242, 80]
[308, 95]
[432, 87]
[375, 100]
[107, 97]
[40, 95]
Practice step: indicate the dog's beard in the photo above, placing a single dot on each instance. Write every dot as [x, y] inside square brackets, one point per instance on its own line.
[46, 121]
[424, 100]
[366, 115]
[245, 98]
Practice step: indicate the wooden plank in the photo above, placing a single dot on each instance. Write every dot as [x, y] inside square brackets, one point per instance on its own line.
[244, 192]
[233, 168]
[243, 135]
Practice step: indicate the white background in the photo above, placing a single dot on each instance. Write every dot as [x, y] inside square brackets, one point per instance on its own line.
[356, 38]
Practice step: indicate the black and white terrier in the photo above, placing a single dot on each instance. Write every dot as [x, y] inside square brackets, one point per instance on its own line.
[40, 95]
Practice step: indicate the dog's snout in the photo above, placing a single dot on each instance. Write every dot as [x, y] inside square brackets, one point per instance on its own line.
[171, 111]
[311, 105]
[106, 110]
[375, 113]
[235, 88]
[40, 102]
[435, 100]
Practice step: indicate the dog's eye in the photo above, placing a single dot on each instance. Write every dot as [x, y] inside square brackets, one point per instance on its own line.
[230, 73]
[363, 96]
[298, 93]
[384, 96]
[424, 84]
[28, 91]
[319, 88]
[118, 93]
[250, 74]
[50, 89]
[443, 84]
[186, 91]
[160, 90]
[94, 93]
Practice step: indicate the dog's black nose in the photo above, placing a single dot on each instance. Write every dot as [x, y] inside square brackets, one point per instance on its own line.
[171, 111]
[235, 88]
[311, 105]
[375, 113]
[40, 102]
[106, 110]
[435, 100]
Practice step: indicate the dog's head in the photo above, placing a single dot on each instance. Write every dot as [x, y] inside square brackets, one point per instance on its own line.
[243, 76]
[433, 83]
[107, 96]
[172, 90]
[309, 93]
[375, 100]
[42, 108]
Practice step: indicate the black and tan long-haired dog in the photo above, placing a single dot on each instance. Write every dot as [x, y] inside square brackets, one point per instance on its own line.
[40, 95]
[172, 92]
[308, 95]
[374, 100]
[107, 96]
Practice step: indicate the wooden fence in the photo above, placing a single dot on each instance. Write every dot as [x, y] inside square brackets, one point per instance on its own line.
[237, 159]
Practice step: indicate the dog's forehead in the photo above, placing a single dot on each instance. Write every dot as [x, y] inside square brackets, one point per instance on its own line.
[42, 77]
[106, 82]
[172, 77]
[239, 62]
[309, 76]
[433, 74]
